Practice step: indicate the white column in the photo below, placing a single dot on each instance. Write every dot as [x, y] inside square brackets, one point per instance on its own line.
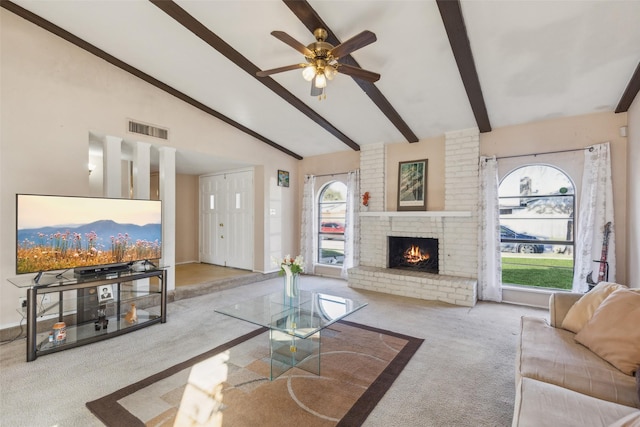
[141, 180]
[168, 197]
[141, 170]
[112, 167]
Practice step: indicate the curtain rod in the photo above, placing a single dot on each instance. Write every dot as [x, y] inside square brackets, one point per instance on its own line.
[331, 174]
[546, 152]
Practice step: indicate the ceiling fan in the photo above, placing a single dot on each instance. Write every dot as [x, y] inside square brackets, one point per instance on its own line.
[322, 59]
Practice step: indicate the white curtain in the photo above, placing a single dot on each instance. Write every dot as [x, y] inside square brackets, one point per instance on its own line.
[596, 210]
[489, 259]
[308, 236]
[352, 224]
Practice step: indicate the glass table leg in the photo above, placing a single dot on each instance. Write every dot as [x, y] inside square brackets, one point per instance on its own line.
[288, 351]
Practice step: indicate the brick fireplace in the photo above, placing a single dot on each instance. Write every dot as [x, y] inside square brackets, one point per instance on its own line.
[455, 229]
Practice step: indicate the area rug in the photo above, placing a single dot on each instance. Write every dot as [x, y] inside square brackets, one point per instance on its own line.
[229, 385]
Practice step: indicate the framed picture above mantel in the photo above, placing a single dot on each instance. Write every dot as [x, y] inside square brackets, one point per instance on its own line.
[412, 185]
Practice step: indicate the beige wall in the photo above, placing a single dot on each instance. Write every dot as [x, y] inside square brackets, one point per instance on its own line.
[567, 134]
[54, 94]
[187, 219]
[187, 209]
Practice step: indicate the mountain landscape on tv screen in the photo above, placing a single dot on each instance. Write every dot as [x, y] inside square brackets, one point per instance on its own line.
[100, 242]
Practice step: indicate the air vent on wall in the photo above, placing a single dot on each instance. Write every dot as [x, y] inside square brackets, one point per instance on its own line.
[143, 129]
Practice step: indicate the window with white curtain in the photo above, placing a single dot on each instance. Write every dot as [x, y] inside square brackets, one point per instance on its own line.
[332, 202]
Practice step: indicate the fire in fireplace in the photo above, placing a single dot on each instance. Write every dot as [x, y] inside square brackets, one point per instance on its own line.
[413, 253]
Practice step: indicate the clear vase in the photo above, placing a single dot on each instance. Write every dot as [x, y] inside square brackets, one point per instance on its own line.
[291, 285]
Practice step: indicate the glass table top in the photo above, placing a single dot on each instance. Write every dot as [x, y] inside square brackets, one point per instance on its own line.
[301, 316]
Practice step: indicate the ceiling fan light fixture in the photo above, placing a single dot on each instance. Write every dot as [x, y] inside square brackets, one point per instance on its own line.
[330, 72]
[309, 72]
[322, 59]
[321, 81]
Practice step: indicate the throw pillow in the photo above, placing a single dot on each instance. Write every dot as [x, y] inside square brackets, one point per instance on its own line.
[613, 332]
[582, 311]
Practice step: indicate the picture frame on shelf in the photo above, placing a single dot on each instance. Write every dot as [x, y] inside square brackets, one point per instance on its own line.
[283, 178]
[412, 185]
[105, 293]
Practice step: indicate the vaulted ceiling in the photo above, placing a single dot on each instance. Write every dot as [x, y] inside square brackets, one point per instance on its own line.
[444, 65]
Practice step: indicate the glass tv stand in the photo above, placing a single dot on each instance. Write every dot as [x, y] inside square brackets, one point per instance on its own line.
[66, 310]
[295, 325]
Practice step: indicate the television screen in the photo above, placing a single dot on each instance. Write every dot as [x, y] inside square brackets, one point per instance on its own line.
[65, 232]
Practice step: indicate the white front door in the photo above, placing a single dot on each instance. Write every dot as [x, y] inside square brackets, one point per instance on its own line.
[226, 219]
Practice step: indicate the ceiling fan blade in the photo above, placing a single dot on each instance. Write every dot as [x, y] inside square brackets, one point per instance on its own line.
[354, 43]
[286, 38]
[266, 73]
[352, 71]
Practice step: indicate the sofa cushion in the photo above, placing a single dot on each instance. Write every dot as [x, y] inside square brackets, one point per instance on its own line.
[551, 355]
[613, 332]
[582, 311]
[540, 404]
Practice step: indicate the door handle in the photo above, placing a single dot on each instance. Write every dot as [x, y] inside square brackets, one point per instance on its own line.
[221, 225]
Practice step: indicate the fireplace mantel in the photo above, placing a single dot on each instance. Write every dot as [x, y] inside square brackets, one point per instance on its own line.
[410, 214]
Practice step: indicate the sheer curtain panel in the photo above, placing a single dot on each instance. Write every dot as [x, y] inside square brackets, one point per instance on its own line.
[352, 224]
[489, 260]
[308, 235]
[596, 210]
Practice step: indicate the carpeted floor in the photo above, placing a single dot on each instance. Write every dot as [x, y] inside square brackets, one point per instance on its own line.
[462, 375]
[358, 364]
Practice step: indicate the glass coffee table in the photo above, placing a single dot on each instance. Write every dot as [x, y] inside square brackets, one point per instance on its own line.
[295, 325]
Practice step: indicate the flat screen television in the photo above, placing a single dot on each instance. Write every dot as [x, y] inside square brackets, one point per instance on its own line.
[85, 233]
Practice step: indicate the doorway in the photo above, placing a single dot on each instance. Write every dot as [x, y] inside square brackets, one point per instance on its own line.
[226, 219]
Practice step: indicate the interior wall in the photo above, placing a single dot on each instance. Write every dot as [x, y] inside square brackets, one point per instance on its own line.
[633, 194]
[187, 221]
[568, 134]
[54, 94]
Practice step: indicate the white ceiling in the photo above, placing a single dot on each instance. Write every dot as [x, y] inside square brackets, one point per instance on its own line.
[535, 60]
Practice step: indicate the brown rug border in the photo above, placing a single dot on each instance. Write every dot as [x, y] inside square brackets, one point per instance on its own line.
[112, 414]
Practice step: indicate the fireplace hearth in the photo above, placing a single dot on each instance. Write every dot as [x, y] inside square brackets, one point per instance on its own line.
[413, 253]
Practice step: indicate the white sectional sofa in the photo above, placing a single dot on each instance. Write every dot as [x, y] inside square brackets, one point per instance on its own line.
[562, 382]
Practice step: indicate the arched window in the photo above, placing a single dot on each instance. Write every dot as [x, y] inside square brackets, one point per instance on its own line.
[332, 206]
[536, 227]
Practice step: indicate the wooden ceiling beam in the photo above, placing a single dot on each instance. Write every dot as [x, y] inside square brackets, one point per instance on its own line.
[209, 37]
[633, 87]
[451, 13]
[65, 35]
[310, 18]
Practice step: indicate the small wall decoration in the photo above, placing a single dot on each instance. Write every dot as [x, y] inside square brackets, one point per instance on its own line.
[412, 185]
[365, 199]
[283, 178]
[105, 293]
